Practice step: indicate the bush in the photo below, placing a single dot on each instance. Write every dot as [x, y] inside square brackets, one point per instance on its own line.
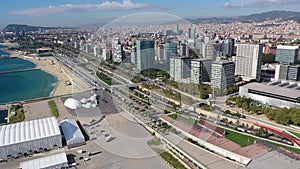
[53, 108]
[205, 107]
[173, 116]
[172, 161]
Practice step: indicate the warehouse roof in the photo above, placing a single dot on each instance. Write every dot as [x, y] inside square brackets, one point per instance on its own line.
[274, 89]
[45, 162]
[71, 130]
[28, 130]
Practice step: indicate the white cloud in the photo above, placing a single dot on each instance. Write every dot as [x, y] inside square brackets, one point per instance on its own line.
[258, 3]
[106, 5]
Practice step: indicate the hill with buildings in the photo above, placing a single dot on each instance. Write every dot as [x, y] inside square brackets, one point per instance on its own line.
[260, 17]
[18, 28]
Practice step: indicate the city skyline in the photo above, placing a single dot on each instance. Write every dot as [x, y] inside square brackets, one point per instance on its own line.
[79, 12]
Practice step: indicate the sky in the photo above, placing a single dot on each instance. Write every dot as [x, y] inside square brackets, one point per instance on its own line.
[85, 12]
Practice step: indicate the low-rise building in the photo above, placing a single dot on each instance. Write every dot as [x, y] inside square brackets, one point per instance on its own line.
[28, 137]
[72, 133]
[277, 93]
[53, 161]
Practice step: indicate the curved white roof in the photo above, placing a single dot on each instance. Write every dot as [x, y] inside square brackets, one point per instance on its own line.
[46, 162]
[28, 130]
[83, 100]
[72, 103]
[88, 105]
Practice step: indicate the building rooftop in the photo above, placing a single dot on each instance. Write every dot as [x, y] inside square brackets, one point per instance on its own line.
[28, 130]
[276, 89]
[45, 162]
[287, 47]
[201, 59]
[70, 129]
[223, 62]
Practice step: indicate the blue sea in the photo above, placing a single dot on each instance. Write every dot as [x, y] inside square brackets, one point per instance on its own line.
[24, 85]
[9, 64]
[3, 53]
[3, 46]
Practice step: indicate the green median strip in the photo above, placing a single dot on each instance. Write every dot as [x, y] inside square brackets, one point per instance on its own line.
[172, 161]
[53, 108]
[242, 140]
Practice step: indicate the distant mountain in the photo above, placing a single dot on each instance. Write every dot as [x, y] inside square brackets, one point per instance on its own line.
[285, 15]
[18, 28]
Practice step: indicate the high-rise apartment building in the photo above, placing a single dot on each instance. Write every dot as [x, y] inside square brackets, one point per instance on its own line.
[208, 51]
[180, 69]
[133, 55]
[97, 51]
[222, 75]
[200, 70]
[287, 72]
[286, 54]
[248, 61]
[88, 48]
[293, 72]
[192, 32]
[145, 54]
[118, 53]
[161, 53]
[183, 50]
[281, 72]
[228, 47]
[170, 51]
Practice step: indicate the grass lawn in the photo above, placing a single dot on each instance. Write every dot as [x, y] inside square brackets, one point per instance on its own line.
[53, 108]
[241, 139]
[172, 161]
[104, 78]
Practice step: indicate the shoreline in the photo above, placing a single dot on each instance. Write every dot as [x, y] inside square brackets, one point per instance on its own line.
[52, 66]
[57, 70]
[61, 73]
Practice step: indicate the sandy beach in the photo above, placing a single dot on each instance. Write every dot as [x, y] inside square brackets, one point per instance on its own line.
[60, 72]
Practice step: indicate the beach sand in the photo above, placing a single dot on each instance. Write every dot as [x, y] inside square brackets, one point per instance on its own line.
[60, 72]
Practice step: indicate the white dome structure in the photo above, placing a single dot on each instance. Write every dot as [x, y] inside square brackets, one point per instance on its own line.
[72, 103]
[83, 100]
[88, 105]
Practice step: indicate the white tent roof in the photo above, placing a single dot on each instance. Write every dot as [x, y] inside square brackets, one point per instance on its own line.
[71, 131]
[83, 100]
[28, 130]
[45, 162]
[72, 103]
[88, 105]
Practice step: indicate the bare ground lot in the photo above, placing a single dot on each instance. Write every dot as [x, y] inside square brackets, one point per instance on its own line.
[37, 110]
